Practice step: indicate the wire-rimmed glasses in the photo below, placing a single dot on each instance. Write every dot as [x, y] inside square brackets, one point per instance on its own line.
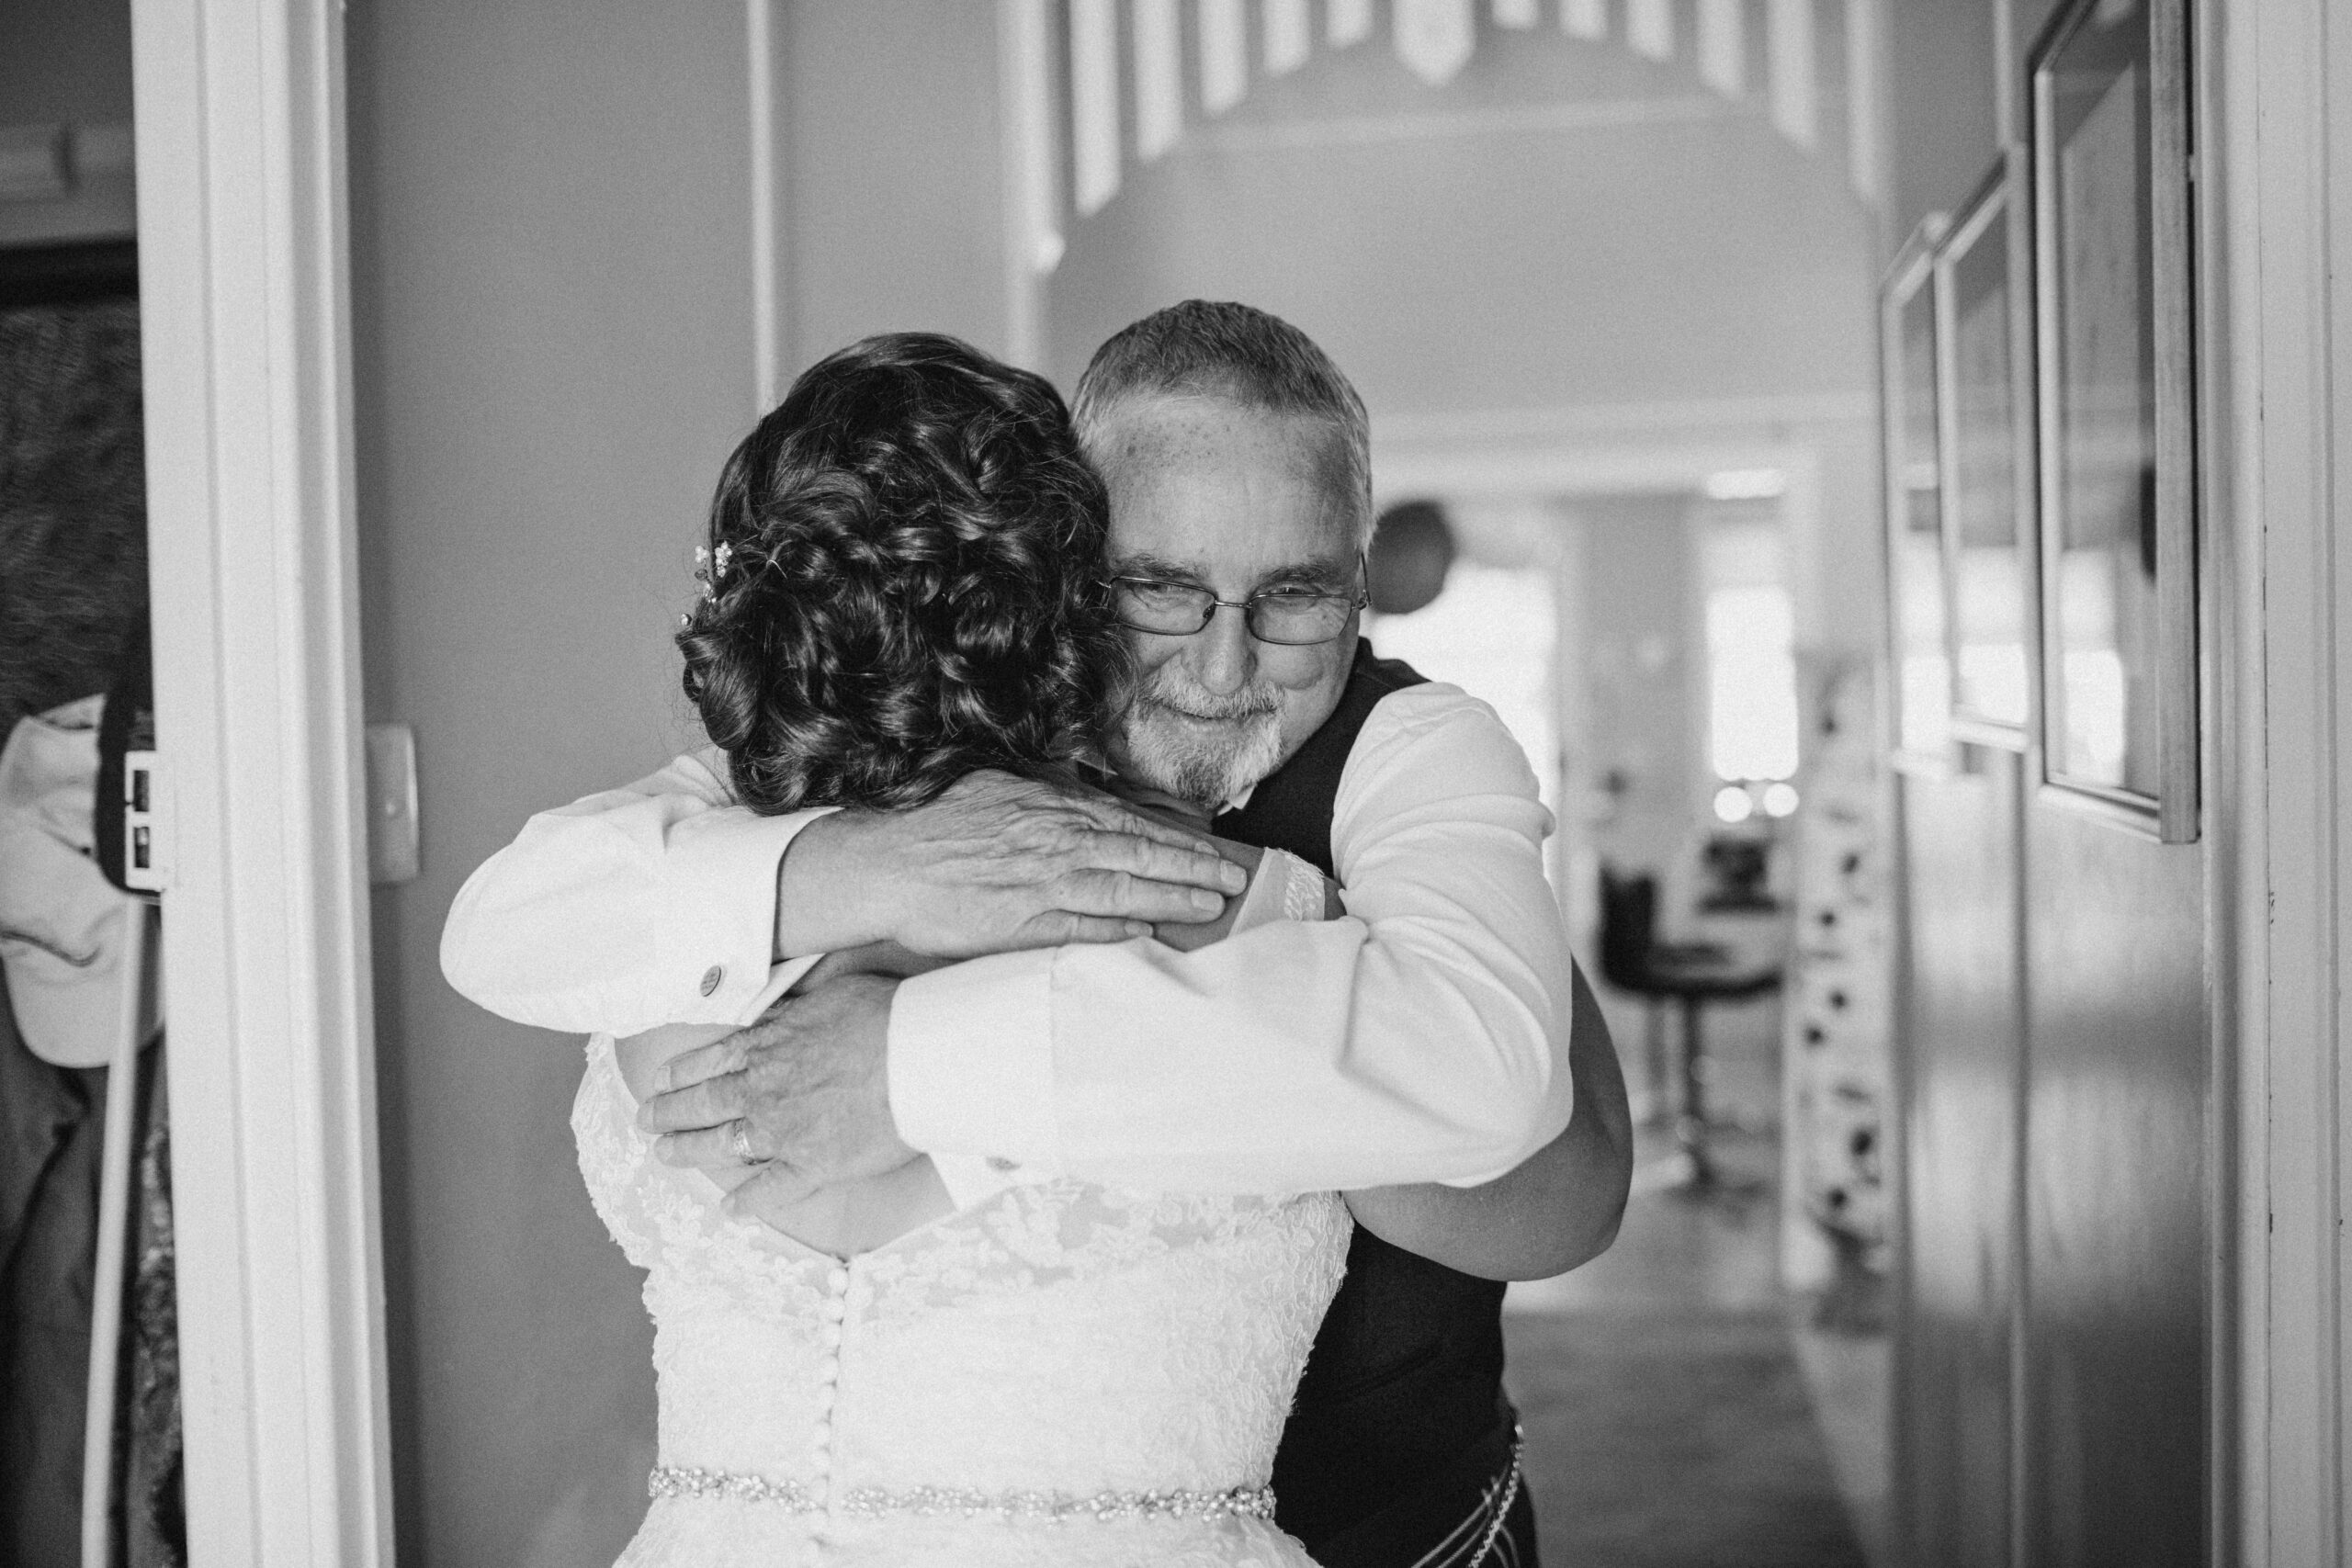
[1288, 617]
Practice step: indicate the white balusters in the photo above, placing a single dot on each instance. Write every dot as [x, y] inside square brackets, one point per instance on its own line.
[1649, 27]
[1722, 46]
[1865, 154]
[1795, 101]
[1225, 54]
[1159, 77]
[1434, 38]
[1290, 36]
[1347, 21]
[1095, 103]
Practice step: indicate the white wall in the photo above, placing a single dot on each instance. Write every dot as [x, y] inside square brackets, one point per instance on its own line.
[552, 238]
[1455, 252]
[551, 264]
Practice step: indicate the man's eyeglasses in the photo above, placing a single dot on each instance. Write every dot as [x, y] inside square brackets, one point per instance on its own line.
[1289, 617]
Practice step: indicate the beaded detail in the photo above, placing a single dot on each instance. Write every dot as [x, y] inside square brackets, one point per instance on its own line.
[688, 1481]
[966, 1502]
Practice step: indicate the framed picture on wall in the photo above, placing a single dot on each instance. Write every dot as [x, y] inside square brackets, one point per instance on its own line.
[1984, 436]
[2113, 379]
[1918, 591]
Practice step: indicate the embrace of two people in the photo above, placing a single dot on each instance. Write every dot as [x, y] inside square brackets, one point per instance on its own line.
[1080, 1055]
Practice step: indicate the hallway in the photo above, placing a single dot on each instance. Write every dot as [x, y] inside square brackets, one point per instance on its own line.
[1680, 1411]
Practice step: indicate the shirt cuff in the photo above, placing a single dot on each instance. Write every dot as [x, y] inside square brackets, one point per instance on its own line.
[782, 976]
[972, 1179]
[717, 940]
[971, 1061]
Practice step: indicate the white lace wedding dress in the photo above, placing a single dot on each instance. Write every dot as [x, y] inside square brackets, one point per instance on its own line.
[1061, 1376]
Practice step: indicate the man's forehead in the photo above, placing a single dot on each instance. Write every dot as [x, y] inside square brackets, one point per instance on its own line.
[1162, 430]
[1204, 559]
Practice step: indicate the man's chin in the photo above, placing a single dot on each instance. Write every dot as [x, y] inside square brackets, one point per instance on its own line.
[1205, 761]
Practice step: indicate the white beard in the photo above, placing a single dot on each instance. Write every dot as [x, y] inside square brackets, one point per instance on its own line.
[1208, 764]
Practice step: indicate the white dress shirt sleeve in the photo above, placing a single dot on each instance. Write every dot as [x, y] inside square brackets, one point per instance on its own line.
[633, 907]
[1423, 1038]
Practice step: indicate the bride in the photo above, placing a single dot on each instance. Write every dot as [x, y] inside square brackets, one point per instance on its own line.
[902, 586]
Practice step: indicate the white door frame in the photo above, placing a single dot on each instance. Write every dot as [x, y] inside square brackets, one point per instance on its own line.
[243, 261]
[2278, 116]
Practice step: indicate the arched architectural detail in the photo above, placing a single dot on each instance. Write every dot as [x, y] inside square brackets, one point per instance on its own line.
[1140, 47]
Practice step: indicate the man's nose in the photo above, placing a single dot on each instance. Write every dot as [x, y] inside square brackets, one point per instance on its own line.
[1223, 655]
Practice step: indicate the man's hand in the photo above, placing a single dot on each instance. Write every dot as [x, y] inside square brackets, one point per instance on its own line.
[995, 864]
[807, 1082]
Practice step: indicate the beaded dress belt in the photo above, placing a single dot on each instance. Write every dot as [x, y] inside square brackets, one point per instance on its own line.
[1049, 1507]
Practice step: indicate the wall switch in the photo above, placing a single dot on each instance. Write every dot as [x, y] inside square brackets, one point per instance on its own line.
[392, 804]
[145, 863]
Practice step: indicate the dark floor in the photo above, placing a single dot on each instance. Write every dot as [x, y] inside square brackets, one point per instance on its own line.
[1679, 1412]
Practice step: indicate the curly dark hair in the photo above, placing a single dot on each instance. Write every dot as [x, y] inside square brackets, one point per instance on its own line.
[906, 583]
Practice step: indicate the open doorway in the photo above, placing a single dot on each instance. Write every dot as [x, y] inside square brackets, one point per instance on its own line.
[1642, 645]
[917, 190]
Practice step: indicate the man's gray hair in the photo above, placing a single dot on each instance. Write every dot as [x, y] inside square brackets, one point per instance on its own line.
[1216, 348]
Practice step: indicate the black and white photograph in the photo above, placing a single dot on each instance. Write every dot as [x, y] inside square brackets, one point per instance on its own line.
[1175, 784]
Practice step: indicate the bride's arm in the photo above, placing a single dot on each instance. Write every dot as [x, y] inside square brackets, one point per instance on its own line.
[1557, 1209]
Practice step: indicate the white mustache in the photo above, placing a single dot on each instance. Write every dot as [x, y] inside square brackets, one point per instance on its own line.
[1173, 687]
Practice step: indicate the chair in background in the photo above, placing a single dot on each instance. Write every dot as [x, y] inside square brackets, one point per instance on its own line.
[1690, 973]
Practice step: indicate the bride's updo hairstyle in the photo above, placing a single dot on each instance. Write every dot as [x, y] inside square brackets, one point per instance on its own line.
[903, 583]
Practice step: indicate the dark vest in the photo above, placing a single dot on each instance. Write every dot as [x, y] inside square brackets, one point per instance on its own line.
[1401, 1411]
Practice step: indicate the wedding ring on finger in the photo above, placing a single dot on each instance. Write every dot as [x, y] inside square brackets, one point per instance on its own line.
[738, 1141]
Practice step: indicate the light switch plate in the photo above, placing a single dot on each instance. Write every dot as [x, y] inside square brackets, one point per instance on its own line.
[392, 804]
[146, 842]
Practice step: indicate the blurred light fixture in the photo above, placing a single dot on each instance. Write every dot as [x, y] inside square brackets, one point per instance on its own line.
[1744, 484]
[1734, 804]
[1780, 800]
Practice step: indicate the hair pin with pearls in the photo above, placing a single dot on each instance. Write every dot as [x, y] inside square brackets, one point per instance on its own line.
[710, 569]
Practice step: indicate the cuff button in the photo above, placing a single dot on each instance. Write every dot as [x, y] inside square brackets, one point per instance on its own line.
[710, 978]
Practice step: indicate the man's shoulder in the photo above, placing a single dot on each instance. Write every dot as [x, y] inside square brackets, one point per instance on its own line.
[1408, 710]
[1435, 725]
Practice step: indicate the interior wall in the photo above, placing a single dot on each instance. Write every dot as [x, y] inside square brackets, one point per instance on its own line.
[1641, 671]
[554, 346]
[551, 297]
[894, 213]
[1941, 65]
[1467, 247]
[68, 62]
[2052, 1381]
[65, 59]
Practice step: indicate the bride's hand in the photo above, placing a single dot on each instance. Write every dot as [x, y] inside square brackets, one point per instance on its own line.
[807, 1083]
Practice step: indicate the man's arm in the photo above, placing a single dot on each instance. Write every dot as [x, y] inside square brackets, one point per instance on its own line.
[1423, 1038]
[651, 904]
[1559, 1209]
[664, 902]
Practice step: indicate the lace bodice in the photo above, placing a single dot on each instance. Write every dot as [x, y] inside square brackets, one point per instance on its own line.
[1061, 1344]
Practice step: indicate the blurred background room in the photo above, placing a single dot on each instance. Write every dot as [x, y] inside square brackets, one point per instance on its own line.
[1700, 344]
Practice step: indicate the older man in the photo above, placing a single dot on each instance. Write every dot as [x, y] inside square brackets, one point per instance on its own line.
[1435, 1052]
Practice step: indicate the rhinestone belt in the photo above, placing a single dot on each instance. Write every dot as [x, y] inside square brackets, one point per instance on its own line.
[1051, 1507]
